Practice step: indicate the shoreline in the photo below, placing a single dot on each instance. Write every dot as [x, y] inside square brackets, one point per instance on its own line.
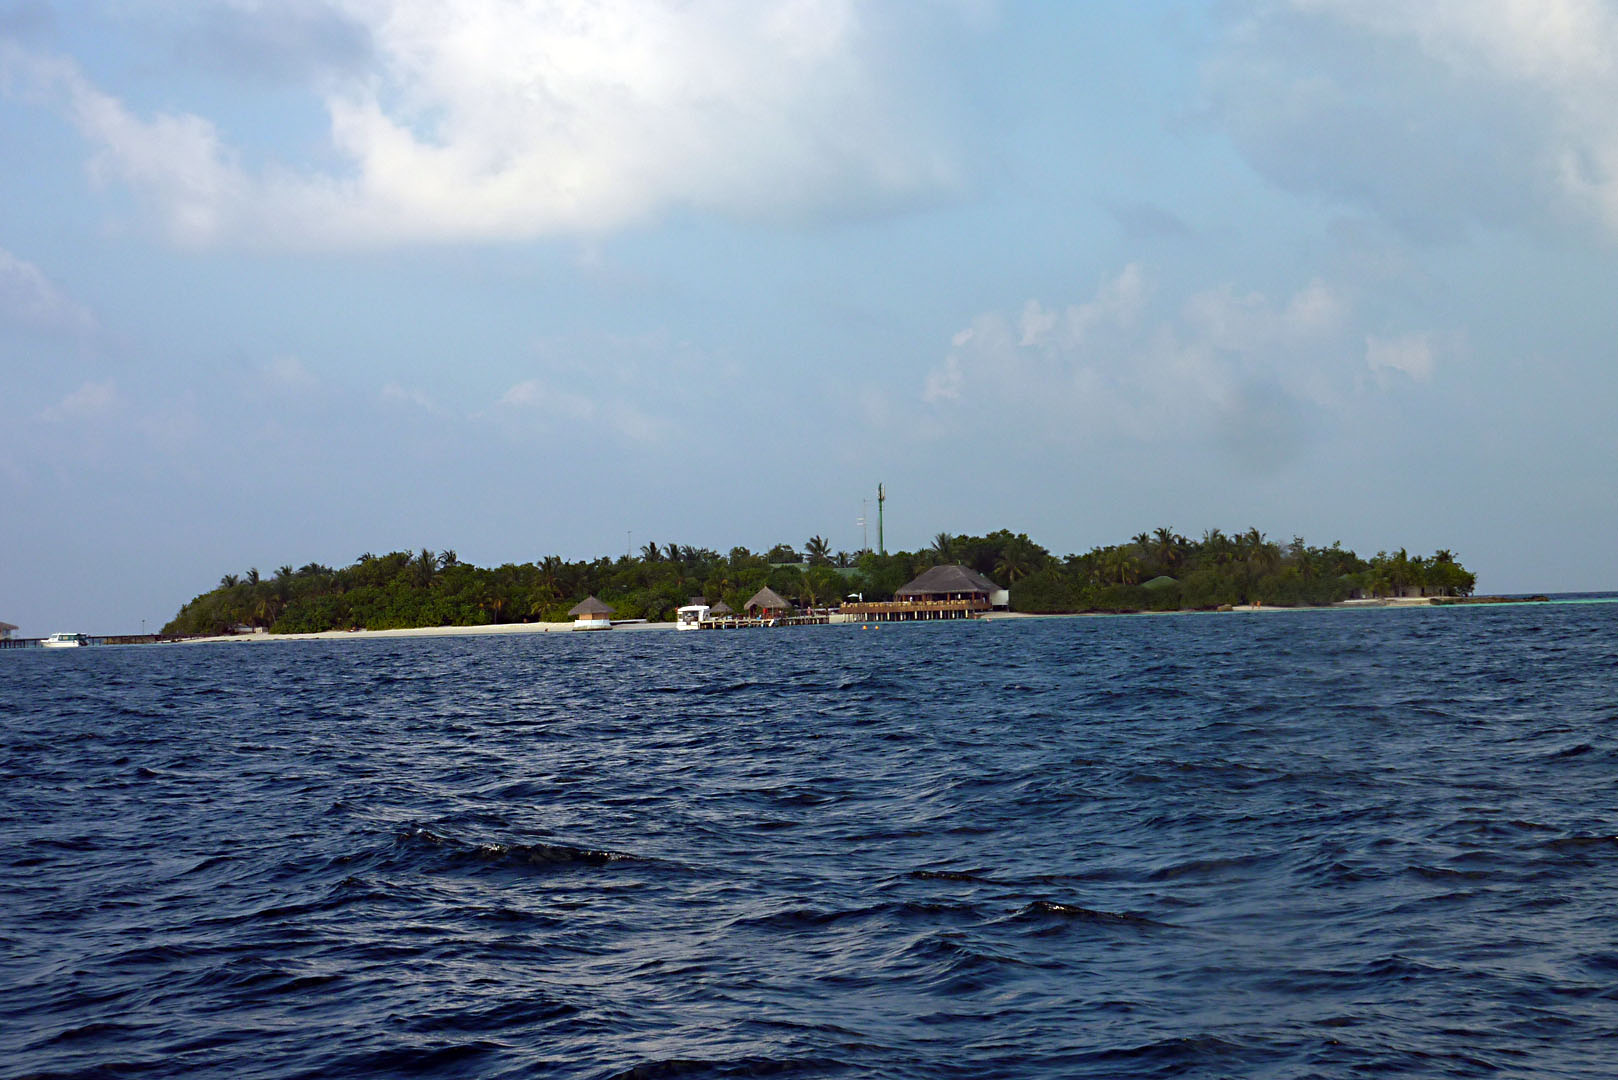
[505, 629]
[489, 630]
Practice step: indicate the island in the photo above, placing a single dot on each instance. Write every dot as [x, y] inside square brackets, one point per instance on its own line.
[1153, 571]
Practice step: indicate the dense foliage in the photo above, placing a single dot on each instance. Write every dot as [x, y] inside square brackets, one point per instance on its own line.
[1158, 571]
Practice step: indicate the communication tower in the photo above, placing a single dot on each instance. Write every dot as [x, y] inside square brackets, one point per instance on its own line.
[881, 497]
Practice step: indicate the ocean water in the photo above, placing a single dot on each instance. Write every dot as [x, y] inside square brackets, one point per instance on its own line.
[1288, 844]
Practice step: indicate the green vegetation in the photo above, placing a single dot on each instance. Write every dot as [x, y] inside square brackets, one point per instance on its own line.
[1164, 571]
[1157, 571]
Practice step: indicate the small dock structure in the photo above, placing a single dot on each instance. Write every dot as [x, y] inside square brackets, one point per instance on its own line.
[766, 608]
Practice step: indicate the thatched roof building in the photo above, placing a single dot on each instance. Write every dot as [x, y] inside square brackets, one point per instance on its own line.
[722, 608]
[768, 600]
[948, 583]
[591, 612]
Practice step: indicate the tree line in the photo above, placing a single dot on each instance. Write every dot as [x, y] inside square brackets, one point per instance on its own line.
[1155, 571]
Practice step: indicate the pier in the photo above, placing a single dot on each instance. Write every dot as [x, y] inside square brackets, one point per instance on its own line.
[106, 639]
[916, 610]
[753, 622]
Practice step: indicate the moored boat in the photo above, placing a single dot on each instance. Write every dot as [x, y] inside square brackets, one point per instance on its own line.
[65, 641]
[692, 616]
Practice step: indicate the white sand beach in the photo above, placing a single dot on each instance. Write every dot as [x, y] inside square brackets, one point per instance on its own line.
[415, 632]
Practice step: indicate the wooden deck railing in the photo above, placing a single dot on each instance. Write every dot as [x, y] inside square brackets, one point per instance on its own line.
[885, 607]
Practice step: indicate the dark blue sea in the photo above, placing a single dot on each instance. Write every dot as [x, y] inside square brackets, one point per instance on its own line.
[1287, 844]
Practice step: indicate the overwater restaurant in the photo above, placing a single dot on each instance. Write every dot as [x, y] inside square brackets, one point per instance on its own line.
[943, 592]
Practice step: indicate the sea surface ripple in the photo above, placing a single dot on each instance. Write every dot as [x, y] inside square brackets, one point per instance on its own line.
[1336, 844]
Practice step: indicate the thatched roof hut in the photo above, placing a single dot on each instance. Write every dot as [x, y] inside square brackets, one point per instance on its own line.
[592, 611]
[768, 600]
[948, 583]
[721, 608]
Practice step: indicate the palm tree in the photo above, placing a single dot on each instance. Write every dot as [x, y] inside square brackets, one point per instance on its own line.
[550, 574]
[229, 581]
[1167, 547]
[1264, 554]
[649, 552]
[447, 559]
[1121, 566]
[818, 551]
[1017, 559]
[944, 549]
[252, 575]
[426, 564]
[283, 583]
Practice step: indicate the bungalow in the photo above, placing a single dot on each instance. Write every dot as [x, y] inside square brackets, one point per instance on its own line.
[591, 614]
[6, 630]
[943, 592]
[768, 604]
[955, 582]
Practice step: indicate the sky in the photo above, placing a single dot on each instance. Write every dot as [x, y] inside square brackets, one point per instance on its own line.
[285, 282]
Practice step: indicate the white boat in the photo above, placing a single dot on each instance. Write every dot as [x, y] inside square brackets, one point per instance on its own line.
[65, 641]
[691, 617]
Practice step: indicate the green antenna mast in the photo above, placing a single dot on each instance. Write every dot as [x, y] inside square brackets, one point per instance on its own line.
[881, 497]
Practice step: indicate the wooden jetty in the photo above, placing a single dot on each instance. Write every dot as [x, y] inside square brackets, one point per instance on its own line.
[917, 610]
[107, 639]
[754, 622]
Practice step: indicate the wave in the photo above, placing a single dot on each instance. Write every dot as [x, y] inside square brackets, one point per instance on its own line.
[973, 876]
[664, 1068]
[453, 853]
[450, 1059]
[1049, 909]
[1215, 867]
[804, 917]
[1172, 1056]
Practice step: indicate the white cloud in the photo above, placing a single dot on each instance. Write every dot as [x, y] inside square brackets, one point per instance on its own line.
[175, 161]
[945, 383]
[534, 394]
[509, 118]
[29, 299]
[1244, 322]
[1118, 303]
[404, 395]
[1251, 375]
[1411, 355]
[563, 412]
[1433, 114]
[287, 372]
[91, 401]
